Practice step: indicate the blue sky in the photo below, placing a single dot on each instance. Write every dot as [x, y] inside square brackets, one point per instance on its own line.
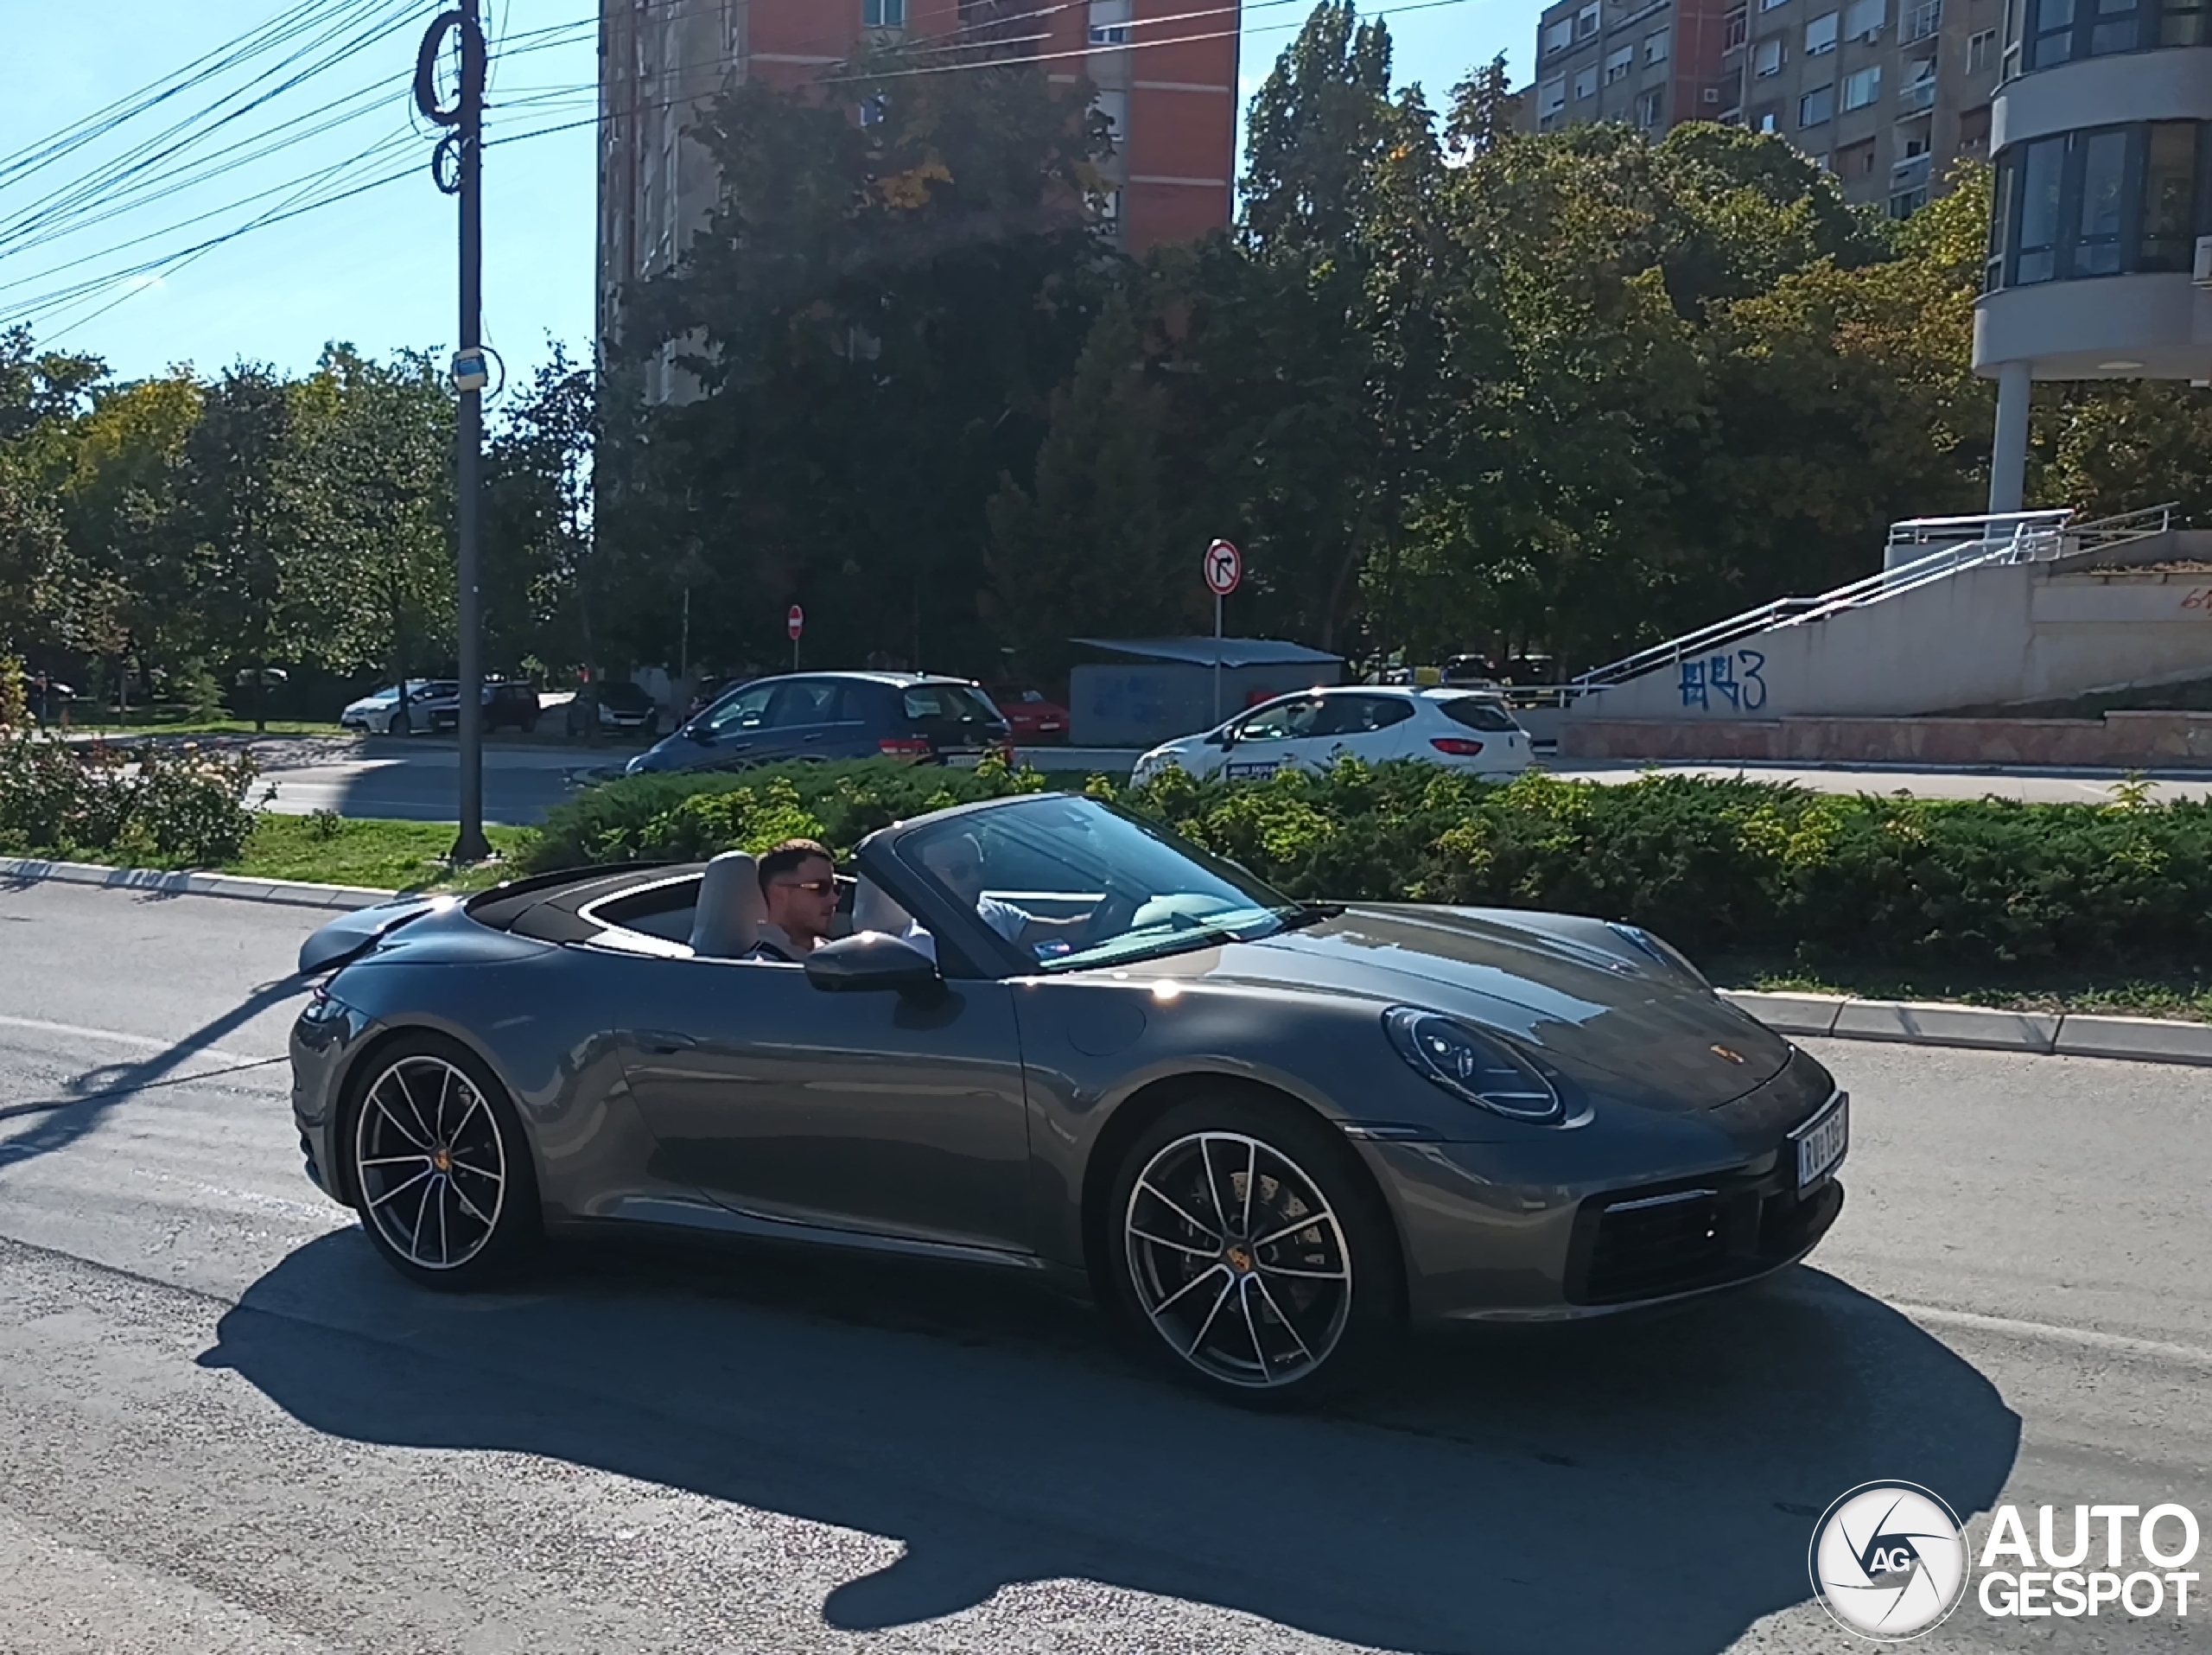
[378, 269]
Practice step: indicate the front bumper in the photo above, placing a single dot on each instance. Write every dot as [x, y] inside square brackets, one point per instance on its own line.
[321, 1046]
[1561, 1231]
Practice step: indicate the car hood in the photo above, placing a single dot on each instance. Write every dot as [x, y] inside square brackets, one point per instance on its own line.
[1605, 1014]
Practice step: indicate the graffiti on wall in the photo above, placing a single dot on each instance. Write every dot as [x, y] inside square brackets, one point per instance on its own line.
[1729, 683]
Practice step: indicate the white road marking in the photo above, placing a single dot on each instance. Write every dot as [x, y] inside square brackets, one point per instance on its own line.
[2088, 1338]
[144, 1042]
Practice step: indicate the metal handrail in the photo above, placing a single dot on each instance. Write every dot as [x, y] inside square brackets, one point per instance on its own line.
[1973, 542]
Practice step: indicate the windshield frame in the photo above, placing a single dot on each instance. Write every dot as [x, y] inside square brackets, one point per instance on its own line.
[887, 855]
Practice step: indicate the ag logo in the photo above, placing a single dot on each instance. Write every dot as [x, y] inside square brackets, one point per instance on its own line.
[1888, 1561]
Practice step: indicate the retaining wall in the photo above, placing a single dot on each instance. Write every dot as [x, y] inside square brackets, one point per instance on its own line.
[2119, 741]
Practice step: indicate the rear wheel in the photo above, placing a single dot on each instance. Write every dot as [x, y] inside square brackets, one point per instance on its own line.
[1250, 1254]
[442, 1174]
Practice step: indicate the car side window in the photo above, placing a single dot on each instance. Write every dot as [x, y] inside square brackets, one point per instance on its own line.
[1284, 721]
[1477, 714]
[1359, 715]
[809, 701]
[748, 709]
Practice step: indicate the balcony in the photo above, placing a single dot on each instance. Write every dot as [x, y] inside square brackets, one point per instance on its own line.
[1911, 174]
[1918, 97]
[1921, 22]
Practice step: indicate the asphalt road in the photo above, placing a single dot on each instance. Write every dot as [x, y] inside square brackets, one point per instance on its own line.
[225, 1427]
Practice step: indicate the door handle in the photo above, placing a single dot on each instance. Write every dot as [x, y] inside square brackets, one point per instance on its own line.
[814, 738]
[661, 1042]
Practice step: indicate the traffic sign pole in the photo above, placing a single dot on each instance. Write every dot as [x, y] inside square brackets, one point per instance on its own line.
[1224, 568]
[795, 623]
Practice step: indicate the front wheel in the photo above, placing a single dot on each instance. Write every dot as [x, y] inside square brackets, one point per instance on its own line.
[1248, 1251]
[442, 1174]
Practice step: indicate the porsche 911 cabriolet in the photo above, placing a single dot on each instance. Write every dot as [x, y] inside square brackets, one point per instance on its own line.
[1056, 1038]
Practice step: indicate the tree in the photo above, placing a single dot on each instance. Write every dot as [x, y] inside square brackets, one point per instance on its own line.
[539, 593]
[1092, 546]
[875, 317]
[243, 518]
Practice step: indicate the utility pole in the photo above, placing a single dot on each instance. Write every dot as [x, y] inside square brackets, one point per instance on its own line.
[459, 159]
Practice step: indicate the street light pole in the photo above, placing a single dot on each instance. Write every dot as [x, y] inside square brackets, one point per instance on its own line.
[462, 152]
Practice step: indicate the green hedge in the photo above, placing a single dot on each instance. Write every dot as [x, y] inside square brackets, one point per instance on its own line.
[148, 805]
[1716, 866]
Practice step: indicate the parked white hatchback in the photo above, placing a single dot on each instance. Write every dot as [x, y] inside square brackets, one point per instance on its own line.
[1462, 729]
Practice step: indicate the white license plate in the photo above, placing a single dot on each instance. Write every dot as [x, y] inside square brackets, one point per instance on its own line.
[962, 760]
[1821, 1142]
[1251, 770]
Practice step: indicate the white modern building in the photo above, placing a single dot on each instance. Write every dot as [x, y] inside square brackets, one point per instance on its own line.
[2100, 236]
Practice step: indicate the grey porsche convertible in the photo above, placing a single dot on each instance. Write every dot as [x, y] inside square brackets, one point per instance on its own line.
[1053, 1037]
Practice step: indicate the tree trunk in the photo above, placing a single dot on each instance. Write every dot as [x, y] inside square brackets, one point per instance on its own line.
[589, 693]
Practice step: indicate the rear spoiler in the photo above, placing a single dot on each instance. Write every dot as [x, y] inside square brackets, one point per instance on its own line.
[352, 935]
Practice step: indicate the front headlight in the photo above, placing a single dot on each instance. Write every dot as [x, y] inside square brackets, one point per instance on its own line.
[1480, 1068]
[1660, 949]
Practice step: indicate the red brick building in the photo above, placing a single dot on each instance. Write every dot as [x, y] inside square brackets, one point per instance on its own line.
[1166, 72]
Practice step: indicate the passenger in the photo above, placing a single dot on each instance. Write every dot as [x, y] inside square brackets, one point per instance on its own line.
[799, 882]
[956, 863]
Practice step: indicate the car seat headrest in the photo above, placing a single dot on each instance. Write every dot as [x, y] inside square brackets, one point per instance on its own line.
[726, 923]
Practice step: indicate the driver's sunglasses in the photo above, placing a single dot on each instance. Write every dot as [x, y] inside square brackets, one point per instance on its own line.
[811, 887]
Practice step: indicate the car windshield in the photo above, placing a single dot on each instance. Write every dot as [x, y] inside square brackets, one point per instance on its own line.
[1052, 860]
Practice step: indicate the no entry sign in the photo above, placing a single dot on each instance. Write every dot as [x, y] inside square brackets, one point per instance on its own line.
[795, 622]
[1224, 567]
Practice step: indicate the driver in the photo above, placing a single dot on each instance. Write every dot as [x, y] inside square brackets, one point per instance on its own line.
[798, 885]
[956, 863]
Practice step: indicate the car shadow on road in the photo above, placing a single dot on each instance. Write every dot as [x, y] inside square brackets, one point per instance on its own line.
[91, 1094]
[1645, 1486]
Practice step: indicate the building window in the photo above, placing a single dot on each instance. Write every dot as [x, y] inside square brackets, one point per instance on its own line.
[1973, 129]
[1114, 105]
[1617, 64]
[1766, 121]
[1908, 202]
[1816, 107]
[883, 14]
[1551, 96]
[2099, 203]
[1862, 19]
[1862, 87]
[1820, 35]
[1922, 22]
[2058, 31]
[1559, 36]
[1766, 56]
[1981, 51]
[872, 111]
[1585, 83]
[1110, 22]
[1586, 23]
[1648, 106]
[1769, 5]
[1735, 30]
[1855, 161]
[1655, 48]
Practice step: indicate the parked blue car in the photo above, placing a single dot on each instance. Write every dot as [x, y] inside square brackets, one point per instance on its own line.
[834, 716]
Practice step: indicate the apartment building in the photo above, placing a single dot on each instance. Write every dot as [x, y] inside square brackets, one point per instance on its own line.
[1165, 73]
[1651, 65]
[1884, 93]
[2101, 233]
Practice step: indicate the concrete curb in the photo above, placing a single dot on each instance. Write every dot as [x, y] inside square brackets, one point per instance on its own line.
[2140, 1039]
[285, 893]
[1820, 1016]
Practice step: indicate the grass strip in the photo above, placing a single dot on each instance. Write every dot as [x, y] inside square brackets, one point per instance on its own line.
[327, 850]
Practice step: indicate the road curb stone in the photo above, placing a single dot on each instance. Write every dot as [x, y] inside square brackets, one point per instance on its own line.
[284, 893]
[2142, 1040]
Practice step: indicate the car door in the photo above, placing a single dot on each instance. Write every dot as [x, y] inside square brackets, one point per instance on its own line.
[1368, 728]
[810, 719]
[1271, 736]
[733, 730]
[893, 1115]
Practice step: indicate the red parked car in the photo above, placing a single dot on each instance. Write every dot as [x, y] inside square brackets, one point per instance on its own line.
[1032, 718]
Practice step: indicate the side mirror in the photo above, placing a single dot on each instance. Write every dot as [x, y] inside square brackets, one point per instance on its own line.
[871, 960]
[1224, 739]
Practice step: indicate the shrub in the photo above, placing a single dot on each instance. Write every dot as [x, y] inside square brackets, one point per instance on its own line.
[15, 695]
[1715, 865]
[152, 804]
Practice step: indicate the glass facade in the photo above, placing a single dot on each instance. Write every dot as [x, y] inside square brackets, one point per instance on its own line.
[2051, 32]
[2105, 202]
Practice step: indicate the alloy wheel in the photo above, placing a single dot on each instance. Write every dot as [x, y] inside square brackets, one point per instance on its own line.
[430, 1163]
[1238, 1261]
